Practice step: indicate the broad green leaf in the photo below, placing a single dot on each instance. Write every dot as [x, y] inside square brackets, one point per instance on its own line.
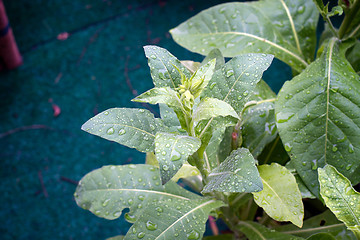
[321, 236]
[353, 56]
[164, 95]
[134, 128]
[325, 222]
[169, 116]
[172, 151]
[236, 80]
[158, 211]
[284, 28]
[258, 126]
[305, 192]
[255, 231]
[318, 118]
[280, 198]
[202, 76]
[237, 173]
[215, 54]
[211, 153]
[185, 171]
[339, 196]
[191, 65]
[212, 108]
[177, 219]
[163, 67]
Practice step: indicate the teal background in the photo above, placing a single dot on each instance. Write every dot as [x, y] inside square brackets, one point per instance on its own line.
[85, 74]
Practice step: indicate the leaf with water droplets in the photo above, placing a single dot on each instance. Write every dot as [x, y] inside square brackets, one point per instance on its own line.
[212, 108]
[258, 120]
[255, 231]
[163, 95]
[305, 192]
[201, 77]
[324, 222]
[134, 128]
[212, 155]
[163, 67]
[157, 211]
[320, 122]
[172, 151]
[280, 198]
[339, 196]
[237, 173]
[284, 28]
[215, 54]
[236, 80]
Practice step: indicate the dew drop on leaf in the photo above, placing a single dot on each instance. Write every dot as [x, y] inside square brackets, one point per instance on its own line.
[110, 131]
[165, 167]
[106, 202]
[141, 235]
[351, 148]
[130, 218]
[175, 156]
[212, 85]
[334, 148]
[287, 147]
[122, 131]
[193, 235]
[151, 226]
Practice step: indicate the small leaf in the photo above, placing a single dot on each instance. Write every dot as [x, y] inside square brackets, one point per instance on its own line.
[215, 54]
[285, 28]
[236, 80]
[237, 173]
[337, 10]
[172, 151]
[211, 108]
[280, 198]
[163, 67]
[164, 95]
[191, 65]
[325, 222]
[255, 231]
[202, 77]
[134, 128]
[339, 196]
[318, 117]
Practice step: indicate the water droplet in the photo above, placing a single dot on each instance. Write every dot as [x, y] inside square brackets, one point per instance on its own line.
[153, 56]
[351, 148]
[229, 73]
[141, 235]
[314, 165]
[348, 167]
[175, 156]
[193, 235]
[288, 147]
[245, 93]
[122, 131]
[141, 197]
[106, 202]
[212, 85]
[106, 113]
[110, 131]
[301, 9]
[151, 226]
[165, 167]
[334, 148]
[159, 209]
[117, 214]
[282, 117]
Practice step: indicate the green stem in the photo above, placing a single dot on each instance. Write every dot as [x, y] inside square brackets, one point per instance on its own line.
[349, 18]
[332, 28]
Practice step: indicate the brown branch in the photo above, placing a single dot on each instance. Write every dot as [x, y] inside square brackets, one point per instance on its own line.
[24, 128]
[65, 179]
[42, 184]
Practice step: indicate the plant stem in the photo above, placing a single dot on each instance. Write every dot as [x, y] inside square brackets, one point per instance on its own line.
[349, 18]
[332, 28]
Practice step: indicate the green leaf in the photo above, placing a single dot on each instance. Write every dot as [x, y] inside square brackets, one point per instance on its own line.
[185, 171]
[353, 56]
[305, 192]
[280, 198]
[163, 67]
[274, 152]
[172, 151]
[325, 222]
[237, 173]
[169, 116]
[215, 54]
[211, 108]
[285, 28]
[321, 236]
[318, 118]
[211, 153]
[202, 76]
[191, 65]
[159, 211]
[339, 196]
[255, 231]
[258, 126]
[164, 95]
[237, 79]
[337, 10]
[134, 128]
